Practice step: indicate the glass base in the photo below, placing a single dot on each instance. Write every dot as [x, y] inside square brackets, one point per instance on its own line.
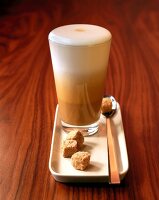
[86, 130]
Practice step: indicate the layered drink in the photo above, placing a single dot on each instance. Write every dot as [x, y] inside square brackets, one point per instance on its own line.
[79, 56]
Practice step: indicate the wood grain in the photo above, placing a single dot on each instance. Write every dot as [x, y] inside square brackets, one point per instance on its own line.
[28, 96]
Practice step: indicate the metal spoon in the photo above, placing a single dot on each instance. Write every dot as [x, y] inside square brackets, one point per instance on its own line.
[113, 167]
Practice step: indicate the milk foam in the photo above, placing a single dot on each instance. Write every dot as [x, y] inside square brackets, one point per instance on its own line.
[79, 60]
[80, 35]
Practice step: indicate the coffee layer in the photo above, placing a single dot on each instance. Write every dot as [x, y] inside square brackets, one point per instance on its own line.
[80, 97]
[80, 114]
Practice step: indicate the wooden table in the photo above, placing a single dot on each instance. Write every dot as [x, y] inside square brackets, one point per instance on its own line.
[28, 96]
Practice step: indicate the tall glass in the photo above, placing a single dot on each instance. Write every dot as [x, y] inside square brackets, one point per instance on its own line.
[80, 55]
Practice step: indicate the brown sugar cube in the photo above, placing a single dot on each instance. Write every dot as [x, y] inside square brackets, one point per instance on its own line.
[80, 160]
[69, 148]
[106, 105]
[76, 135]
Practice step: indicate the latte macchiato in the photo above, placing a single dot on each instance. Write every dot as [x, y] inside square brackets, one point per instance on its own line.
[79, 55]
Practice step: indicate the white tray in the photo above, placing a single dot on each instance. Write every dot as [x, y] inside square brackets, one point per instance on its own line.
[62, 169]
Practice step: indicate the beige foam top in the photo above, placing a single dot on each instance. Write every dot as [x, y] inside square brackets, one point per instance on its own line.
[79, 35]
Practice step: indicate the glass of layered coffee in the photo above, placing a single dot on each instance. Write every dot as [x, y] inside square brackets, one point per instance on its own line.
[80, 55]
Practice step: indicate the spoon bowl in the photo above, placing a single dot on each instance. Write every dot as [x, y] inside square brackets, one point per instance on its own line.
[113, 108]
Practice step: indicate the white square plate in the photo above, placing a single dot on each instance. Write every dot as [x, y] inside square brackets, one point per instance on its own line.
[98, 170]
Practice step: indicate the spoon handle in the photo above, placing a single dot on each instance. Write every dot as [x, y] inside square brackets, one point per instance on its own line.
[114, 173]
